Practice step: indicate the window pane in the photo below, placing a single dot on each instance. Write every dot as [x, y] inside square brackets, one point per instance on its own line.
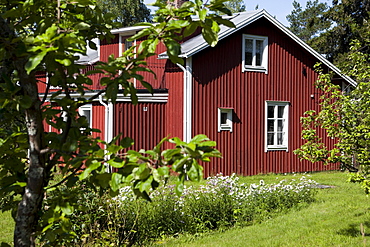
[270, 112]
[281, 111]
[280, 125]
[270, 139]
[248, 51]
[223, 117]
[280, 138]
[270, 125]
[86, 113]
[259, 51]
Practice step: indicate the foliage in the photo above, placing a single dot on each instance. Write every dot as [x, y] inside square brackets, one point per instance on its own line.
[46, 37]
[345, 117]
[308, 23]
[336, 27]
[221, 203]
[236, 6]
[334, 219]
[126, 12]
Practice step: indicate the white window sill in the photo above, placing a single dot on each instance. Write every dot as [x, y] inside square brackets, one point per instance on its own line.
[276, 148]
[229, 129]
[255, 69]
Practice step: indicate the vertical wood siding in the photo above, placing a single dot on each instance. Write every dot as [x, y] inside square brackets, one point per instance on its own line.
[219, 82]
[143, 122]
[109, 47]
[98, 120]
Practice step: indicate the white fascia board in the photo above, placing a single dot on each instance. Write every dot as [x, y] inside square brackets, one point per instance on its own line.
[308, 48]
[128, 30]
[221, 35]
[143, 97]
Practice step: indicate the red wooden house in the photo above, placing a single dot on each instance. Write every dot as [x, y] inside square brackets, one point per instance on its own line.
[247, 93]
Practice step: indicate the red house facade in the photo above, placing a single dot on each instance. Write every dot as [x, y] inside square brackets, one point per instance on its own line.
[247, 94]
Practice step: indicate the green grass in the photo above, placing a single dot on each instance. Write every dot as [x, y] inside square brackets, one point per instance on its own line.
[334, 220]
[6, 228]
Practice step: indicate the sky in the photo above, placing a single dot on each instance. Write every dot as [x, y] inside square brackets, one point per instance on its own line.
[278, 8]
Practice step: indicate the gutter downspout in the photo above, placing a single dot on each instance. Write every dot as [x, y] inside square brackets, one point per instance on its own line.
[188, 89]
[108, 125]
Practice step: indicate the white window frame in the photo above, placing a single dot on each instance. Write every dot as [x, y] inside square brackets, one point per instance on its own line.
[83, 108]
[228, 126]
[285, 118]
[253, 67]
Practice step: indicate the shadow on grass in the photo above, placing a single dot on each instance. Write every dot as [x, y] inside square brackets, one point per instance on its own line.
[353, 230]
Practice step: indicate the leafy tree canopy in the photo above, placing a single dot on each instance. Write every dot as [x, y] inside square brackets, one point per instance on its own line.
[308, 23]
[43, 37]
[345, 116]
[126, 12]
[236, 6]
[330, 30]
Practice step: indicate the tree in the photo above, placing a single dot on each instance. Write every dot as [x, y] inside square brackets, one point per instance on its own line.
[44, 36]
[346, 117]
[334, 28]
[126, 12]
[235, 6]
[308, 23]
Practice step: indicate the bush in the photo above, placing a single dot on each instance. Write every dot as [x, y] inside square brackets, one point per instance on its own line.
[221, 203]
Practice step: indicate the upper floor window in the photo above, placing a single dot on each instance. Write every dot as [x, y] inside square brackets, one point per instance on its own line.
[255, 53]
[276, 125]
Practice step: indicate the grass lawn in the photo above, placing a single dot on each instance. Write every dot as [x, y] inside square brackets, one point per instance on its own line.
[6, 228]
[334, 220]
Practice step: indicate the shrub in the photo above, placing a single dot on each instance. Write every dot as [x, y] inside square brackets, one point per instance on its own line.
[221, 203]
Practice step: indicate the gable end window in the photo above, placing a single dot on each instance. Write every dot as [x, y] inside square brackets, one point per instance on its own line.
[276, 125]
[255, 53]
[225, 119]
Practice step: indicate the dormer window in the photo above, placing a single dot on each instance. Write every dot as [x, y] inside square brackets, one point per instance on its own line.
[255, 53]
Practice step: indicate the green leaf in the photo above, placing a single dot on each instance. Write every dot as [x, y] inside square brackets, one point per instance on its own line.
[179, 188]
[126, 142]
[65, 62]
[202, 14]
[116, 163]
[145, 185]
[195, 172]
[67, 208]
[210, 36]
[82, 26]
[25, 102]
[116, 181]
[93, 166]
[34, 61]
[164, 171]
[199, 138]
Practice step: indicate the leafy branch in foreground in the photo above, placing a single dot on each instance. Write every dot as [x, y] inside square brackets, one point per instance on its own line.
[46, 38]
[346, 117]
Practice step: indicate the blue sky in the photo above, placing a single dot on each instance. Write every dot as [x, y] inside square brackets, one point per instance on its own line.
[278, 8]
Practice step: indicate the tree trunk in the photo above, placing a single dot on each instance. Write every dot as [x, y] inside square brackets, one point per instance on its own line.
[31, 204]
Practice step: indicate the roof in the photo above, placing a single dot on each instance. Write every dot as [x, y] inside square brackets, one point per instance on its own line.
[241, 20]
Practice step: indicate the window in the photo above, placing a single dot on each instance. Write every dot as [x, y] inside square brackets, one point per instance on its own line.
[276, 126]
[225, 121]
[255, 53]
[86, 111]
